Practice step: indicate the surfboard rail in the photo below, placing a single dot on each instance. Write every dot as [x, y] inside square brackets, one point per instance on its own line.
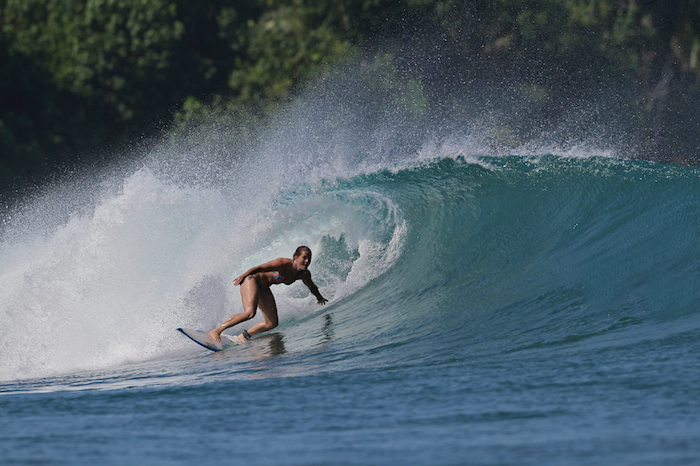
[202, 338]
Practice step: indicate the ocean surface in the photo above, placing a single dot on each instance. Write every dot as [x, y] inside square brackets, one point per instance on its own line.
[524, 309]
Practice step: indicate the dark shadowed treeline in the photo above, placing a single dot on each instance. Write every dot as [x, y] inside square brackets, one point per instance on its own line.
[80, 76]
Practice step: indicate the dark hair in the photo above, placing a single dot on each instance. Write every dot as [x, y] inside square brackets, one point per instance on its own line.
[301, 249]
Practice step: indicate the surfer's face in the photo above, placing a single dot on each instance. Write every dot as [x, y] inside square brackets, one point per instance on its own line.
[303, 260]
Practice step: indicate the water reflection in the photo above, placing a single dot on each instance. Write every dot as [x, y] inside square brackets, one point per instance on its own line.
[327, 329]
[276, 344]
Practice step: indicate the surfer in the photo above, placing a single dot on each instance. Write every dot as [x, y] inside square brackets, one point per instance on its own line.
[255, 292]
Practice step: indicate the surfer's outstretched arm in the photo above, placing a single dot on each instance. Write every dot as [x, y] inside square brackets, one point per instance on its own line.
[313, 288]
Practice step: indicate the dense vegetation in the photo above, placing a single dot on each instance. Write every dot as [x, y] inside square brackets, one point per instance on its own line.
[78, 76]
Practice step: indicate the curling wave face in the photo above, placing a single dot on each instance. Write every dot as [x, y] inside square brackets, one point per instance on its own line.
[492, 253]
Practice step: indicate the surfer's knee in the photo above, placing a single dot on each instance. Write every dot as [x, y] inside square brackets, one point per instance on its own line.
[272, 322]
[249, 313]
[268, 325]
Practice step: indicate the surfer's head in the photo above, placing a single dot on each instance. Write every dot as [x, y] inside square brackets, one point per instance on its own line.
[301, 249]
[304, 253]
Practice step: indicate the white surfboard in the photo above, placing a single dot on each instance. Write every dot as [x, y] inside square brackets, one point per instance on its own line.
[206, 341]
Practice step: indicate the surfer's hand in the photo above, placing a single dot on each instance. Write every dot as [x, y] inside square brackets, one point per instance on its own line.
[237, 281]
[321, 301]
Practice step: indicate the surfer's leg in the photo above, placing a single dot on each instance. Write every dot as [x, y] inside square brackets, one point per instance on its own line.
[268, 307]
[250, 295]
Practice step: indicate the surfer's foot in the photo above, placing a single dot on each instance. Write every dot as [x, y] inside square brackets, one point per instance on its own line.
[214, 336]
[243, 337]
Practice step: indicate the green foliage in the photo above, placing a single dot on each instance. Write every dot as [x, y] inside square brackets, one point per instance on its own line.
[78, 75]
[111, 50]
[287, 44]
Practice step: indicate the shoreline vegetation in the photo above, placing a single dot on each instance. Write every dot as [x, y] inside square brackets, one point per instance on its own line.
[81, 79]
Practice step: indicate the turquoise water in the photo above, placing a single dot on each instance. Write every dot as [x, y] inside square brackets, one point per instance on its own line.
[537, 309]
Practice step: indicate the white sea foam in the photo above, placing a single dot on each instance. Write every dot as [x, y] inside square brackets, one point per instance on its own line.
[109, 286]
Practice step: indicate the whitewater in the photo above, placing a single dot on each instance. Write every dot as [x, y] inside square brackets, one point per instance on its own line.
[531, 306]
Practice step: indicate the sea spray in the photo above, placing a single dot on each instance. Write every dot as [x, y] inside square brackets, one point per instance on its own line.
[108, 287]
[99, 270]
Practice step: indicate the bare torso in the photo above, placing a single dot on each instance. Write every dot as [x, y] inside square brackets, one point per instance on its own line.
[286, 275]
